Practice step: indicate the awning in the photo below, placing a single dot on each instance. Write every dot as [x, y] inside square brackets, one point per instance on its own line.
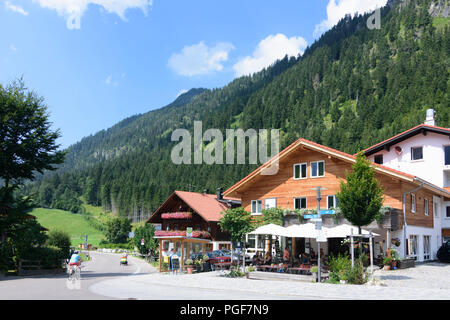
[307, 230]
[271, 229]
[345, 230]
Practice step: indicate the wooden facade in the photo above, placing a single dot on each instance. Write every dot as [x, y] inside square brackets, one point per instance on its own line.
[285, 188]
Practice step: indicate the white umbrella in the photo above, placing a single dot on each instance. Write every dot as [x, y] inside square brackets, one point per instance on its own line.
[345, 230]
[307, 230]
[271, 229]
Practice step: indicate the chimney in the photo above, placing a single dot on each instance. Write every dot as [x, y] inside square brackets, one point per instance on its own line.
[219, 194]
[430, 120]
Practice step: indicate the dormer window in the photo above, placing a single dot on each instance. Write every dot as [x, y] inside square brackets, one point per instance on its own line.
[416, 153]
[378, 159]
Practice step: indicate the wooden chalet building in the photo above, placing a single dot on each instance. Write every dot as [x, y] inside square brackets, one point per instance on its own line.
[199, 211]
[305, 165]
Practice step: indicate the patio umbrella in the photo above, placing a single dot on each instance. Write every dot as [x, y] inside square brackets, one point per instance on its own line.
[307, 230]
[271, 229]
[345, 230]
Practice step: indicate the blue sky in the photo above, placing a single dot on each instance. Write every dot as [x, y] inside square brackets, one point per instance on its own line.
[97, 62]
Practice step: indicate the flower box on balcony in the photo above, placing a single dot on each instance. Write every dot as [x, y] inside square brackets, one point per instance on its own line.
[177, 215]
[178, 233]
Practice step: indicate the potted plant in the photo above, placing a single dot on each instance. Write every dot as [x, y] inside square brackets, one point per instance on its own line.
[189, 266]
[249, 269]
[395, 258]
[198, 265]
[206, 264]
[343, 278]
[387, 263]
[314, 270]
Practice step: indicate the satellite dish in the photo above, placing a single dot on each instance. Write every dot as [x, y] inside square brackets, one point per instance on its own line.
[398, 150]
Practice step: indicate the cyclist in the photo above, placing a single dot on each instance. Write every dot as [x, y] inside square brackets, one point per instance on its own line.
[75, 260]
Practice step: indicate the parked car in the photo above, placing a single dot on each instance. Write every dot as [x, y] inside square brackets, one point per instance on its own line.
[443, 253]
[237, 257]
[214, 257]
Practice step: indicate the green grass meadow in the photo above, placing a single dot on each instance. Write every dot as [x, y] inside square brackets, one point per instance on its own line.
[74, 224]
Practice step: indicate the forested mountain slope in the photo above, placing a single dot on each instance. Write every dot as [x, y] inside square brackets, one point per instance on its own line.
[351, 89]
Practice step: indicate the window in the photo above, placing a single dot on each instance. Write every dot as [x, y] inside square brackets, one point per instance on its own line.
[426, 247]
[331, 202]
[299, 203]
[447, 155]
[447, 214]
[435, 210]
[270, 203]
[412, 247]
[317, 169]
[251, 239]
[256, 206]
[413, 203]
[300, 171]
[417, 153]
[425, 208]
[378, 159]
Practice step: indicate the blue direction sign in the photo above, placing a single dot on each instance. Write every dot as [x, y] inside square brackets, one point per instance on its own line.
[314, 216]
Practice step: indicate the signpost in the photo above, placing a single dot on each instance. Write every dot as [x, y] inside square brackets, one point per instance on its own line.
[318, 222]
[85, 242]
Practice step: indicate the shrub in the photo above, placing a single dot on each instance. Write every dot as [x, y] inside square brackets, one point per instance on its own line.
[61, 240]
[189, 262]
[357, 274]
[339, 263]
[314, 269]
[50, 257]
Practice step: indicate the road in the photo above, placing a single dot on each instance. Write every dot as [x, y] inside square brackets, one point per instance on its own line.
[103, 266]
[103, 278]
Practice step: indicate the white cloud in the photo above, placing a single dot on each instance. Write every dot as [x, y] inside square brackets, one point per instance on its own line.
[74, 9]
[14, 8]
[337, 9]
[109, 81]
[270, 49]
[200, 59]
[13, 47]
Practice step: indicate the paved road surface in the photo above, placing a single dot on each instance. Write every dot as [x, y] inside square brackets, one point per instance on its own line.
[103, 266]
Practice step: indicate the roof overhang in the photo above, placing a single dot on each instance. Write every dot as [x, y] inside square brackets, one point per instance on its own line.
[233, 191]
[420, 129]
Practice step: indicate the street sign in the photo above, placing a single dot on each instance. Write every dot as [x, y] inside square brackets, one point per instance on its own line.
[189, 232]
[314, 216]
[321, 236]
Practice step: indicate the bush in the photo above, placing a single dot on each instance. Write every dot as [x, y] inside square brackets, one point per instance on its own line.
[5, 256]
[61, 240]
[117, 230]
[50, 257]
[339, 263]
[107, 245]
[357, 274]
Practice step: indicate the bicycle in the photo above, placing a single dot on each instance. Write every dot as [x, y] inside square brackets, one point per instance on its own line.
[74, 271]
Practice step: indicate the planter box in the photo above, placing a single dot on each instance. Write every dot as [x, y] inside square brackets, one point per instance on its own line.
[406, 263]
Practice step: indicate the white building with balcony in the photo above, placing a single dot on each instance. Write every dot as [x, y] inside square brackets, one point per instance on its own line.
[422, 151]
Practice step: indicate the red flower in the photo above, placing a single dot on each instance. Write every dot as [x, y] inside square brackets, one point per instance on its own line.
[177, 215]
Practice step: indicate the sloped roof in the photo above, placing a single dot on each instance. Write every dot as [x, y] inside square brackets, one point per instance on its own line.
[206, 205]
[337, 154]
[421, 128]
